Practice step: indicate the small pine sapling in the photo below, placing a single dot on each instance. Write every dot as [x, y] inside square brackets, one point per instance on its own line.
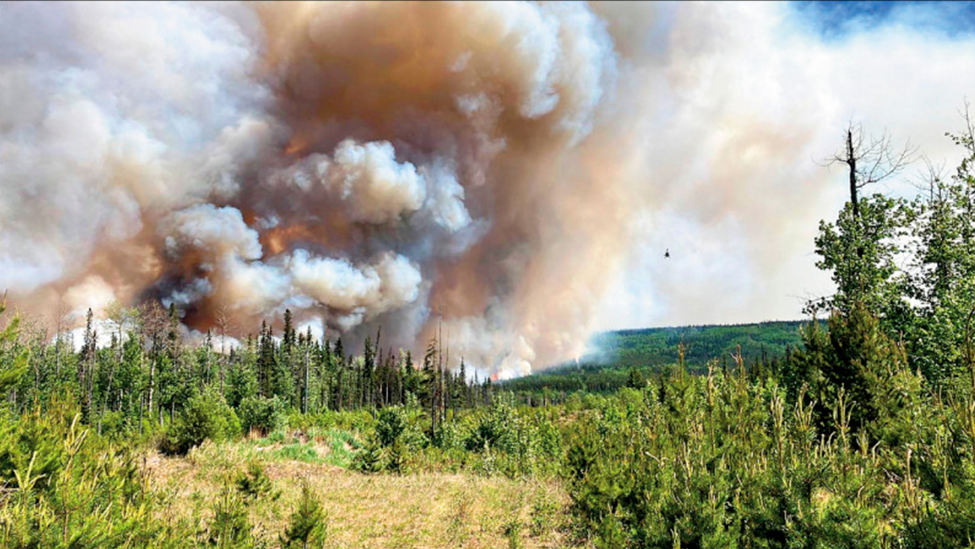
[308, 525]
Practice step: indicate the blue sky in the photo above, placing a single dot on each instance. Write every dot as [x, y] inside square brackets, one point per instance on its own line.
[837, 20]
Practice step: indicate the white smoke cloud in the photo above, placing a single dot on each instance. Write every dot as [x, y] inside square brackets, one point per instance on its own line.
[220, 231]
[378, 188]
[253, 287]
[233, 152]
[754, 99]
[391, 283]
[367, 177]
[101, 109]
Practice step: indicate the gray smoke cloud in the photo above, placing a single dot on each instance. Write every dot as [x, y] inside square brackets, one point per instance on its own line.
[484, 170]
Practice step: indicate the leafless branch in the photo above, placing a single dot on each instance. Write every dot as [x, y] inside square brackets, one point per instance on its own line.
[965, 113]
[875, 158]
[928, 179]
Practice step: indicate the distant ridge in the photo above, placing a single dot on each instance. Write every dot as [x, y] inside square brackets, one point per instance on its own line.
[650, 349]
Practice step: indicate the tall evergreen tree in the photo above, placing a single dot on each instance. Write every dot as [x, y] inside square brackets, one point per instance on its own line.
[368, 365]
[339, 374]
[86, 365]
[265, 361]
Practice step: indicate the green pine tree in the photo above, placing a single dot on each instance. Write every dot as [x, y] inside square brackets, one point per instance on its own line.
[308, 525]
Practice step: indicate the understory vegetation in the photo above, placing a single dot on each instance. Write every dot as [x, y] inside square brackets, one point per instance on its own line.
[858, 430]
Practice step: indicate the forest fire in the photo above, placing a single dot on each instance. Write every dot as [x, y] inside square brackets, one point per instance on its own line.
[347, 163]
[499, 167]
[284, 274]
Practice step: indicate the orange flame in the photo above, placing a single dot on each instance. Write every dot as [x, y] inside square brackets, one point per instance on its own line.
[296, 146]
[276, 240]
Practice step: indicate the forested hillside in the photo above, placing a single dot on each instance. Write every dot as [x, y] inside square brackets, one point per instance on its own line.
[624, 357]
[656, 347]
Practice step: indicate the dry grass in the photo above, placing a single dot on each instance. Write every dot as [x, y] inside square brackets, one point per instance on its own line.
[422, 510]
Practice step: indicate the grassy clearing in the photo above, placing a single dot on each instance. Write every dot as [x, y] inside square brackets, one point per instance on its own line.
[377, 511]
[319, 446]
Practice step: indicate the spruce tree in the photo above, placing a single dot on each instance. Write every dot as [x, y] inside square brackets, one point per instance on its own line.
[327, 388]
[306, 346]
[288, 364]
[462, 384]
[339, 359]
[86, 366]
[368, 365]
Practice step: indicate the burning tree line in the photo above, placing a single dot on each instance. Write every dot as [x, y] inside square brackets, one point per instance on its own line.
[148, 372]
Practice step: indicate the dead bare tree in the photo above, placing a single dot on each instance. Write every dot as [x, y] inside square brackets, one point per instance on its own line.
[870, 160]
[223, 326]
[121, 317]
[86, 366]
[153, 321]
[60, 325]
[967, 140]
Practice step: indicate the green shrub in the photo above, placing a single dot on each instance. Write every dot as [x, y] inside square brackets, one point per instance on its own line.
[262, 414]
[371, 458]
[255, 484]
[207, 416]
[515, 442]
[543, 515]
[349, 420]
[400, 425]
[274, 438]
[390, 425]
[35, 441]
[496, 429]
[727, 461]
[342, 446]
[299, 452]
[512, 531]
[71, 490]
[13, 369]
[450, 435]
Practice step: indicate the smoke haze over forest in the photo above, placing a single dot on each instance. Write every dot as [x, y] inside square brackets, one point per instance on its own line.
[509, 173]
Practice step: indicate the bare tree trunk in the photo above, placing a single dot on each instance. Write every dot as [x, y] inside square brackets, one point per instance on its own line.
[338, 389]
[111, 373]
[152, 381]
[304, 388]
[206, 359]
[851, 161]
[88, 385]
[434, 383]
[59, 341]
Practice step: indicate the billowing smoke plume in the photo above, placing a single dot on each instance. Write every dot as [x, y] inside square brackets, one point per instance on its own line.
[364, 165]
[468, 169]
